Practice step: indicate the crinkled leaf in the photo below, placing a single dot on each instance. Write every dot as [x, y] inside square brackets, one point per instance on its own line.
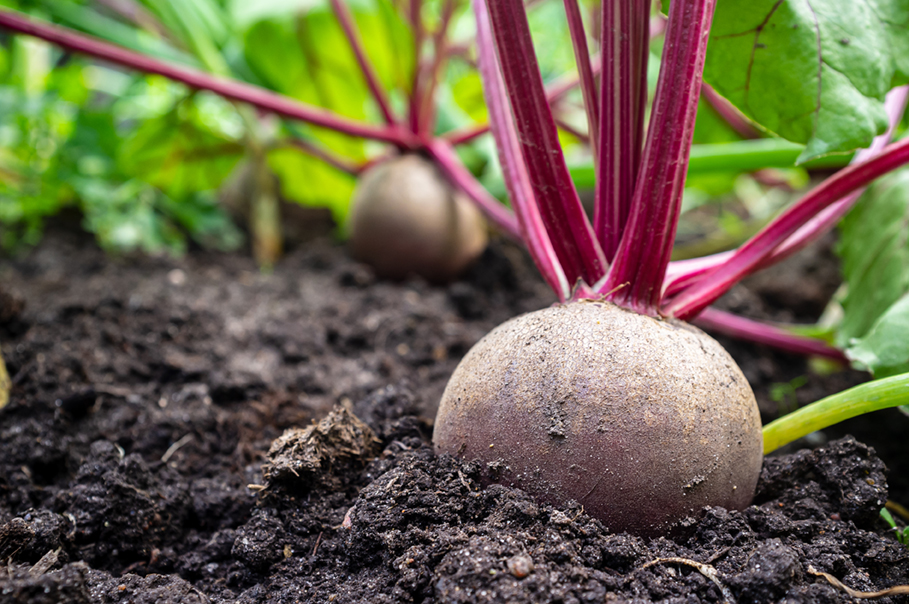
[811, 71]
[875, 256]
[884, 351]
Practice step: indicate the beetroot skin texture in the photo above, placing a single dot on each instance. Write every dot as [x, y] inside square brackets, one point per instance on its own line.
[405, 219]
[643, 421]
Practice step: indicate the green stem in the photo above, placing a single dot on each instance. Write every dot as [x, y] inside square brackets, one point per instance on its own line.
[744, 156]
[748, 156]
[858, 400]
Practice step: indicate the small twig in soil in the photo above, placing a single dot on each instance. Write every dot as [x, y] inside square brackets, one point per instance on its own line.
[117, 391]
[316, 548]
[175, 447]
[718, 555]
[201, 595]
[45, 563]
[862, 595]
[464, 481]
[20, 375]
[705, 569]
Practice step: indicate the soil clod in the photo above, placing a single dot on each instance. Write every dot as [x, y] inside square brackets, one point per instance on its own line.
[321, 453]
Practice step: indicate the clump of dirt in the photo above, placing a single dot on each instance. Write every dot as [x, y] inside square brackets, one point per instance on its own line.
[147, 394]
[319, 453]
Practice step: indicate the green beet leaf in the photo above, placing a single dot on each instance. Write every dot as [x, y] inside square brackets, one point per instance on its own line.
[811, 71]
[874, 248]
[875, 255]
[884, 351]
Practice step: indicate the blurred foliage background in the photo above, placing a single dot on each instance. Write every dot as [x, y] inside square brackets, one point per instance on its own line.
[152, 165]
[143, 158]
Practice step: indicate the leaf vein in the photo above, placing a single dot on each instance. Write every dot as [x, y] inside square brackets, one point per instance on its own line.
[820, 68]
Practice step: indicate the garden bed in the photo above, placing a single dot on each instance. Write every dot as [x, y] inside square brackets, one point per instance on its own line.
[147, 393]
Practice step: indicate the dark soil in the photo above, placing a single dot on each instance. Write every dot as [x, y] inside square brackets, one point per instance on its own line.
[135, 464]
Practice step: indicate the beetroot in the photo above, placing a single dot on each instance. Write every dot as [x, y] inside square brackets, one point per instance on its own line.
[641, 420]
[610, 399]
[406, 219]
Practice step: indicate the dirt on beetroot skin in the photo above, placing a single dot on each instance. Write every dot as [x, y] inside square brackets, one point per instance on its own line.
[140, 458]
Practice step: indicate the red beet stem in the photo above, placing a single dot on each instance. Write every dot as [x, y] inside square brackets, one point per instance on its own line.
[569, 230]
[636, 277]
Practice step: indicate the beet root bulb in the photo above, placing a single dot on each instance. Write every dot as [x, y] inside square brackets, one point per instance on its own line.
[406, 219]
[643, 421]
